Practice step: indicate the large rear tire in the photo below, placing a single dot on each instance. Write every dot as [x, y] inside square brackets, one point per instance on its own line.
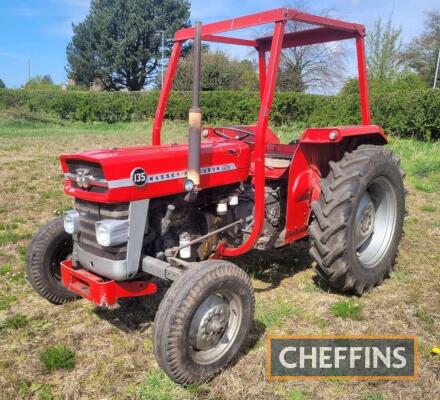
[50, 245]
[203, 321]
[358, 219]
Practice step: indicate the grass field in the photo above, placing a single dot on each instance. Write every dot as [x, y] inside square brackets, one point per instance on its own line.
[78, 351]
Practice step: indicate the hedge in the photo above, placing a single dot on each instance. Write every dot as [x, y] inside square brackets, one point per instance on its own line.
[415, 114]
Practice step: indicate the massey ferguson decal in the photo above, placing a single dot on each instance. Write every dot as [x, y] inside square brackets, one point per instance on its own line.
[139, 176]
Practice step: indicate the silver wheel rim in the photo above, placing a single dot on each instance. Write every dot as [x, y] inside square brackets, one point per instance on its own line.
[375, 222]
[214, 326]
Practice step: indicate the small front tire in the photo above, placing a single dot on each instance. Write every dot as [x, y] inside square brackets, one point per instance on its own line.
[203, 321]
[50, 245]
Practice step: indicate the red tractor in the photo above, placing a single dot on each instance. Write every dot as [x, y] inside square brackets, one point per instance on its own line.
[177, 212]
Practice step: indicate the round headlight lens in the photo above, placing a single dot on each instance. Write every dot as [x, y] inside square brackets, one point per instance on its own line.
[189, 185]
[103, 235]
[71, 221]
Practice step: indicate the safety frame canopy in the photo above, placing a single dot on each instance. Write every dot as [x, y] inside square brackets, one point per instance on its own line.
[329, 29]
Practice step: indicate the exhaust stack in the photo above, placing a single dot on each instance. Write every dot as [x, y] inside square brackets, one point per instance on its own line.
[195, 114]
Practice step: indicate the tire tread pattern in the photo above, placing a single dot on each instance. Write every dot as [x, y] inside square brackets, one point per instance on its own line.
[332, 213]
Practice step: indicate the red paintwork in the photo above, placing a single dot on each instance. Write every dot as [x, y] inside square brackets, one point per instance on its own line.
[363, 81]
[165, 92]
[321, 135]
[119, 163]
[307, 37]
[99, 291]
[328, 30]
[271, 137]
[310, 155]
[260, 144]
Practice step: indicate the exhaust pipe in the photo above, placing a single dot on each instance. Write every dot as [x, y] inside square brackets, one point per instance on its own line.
[195, 114]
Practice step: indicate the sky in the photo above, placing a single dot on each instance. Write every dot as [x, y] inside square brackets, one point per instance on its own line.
[39, 30]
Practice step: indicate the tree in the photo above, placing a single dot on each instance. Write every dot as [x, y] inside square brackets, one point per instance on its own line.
[218, 72]
[318, 67]
[119, 42]
[383, 47]
[39, 82]
[2, 84]
[401, 82]
[421, 53]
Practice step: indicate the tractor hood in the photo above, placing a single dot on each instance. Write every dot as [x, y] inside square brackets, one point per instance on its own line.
[135, 173]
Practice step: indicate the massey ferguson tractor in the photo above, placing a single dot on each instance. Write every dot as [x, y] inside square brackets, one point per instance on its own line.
[177, 211]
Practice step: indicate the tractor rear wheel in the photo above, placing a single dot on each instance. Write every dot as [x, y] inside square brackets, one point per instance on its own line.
[203, 321]
[358, 219]
[50, 245]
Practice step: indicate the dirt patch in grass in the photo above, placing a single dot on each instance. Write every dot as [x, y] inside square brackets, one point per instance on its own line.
[113, 348]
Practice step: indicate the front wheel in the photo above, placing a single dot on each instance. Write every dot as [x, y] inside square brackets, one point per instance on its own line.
[50, 245]
[358, 219]
[203, 321]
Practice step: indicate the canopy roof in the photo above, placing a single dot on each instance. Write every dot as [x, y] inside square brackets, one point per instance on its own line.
[328, 29]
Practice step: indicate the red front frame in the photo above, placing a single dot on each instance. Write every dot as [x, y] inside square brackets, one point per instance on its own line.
[100, 291]
[303, 175]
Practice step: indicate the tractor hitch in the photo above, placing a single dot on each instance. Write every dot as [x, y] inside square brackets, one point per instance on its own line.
[100, 291]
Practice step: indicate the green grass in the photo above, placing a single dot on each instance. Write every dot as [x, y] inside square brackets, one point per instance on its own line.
[421, 161]
[39, 391]
[6, 300]
[429, 208]
[425, 317]
[373, 396]
[57, 356]
[16, 321]
[427, 187]
[13, 237]
[287, 301]
[157, 386]
[349, 309]
[271, 315]
[296, 394]
[5, 269]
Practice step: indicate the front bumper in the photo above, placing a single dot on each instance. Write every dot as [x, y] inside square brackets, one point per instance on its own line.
[108, 268]
[100, 291]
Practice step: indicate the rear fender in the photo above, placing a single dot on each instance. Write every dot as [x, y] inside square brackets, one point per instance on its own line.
[316, 148]
[361, 133]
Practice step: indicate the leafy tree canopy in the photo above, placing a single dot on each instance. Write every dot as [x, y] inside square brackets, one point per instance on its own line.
[119, 42]
[218, 72]
[2, 84]
[421, 53]
[39, 82]
[383, 47]
[320, 67]
[401, 82]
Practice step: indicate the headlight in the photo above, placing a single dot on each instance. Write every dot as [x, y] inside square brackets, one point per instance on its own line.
[111, 232]
[189, 185]
[71, 221]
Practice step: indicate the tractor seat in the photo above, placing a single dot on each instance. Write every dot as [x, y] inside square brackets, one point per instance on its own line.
[271, 162]
[279, 155]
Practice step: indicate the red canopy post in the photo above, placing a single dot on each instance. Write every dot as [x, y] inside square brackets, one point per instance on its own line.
[262, 71]
[260, 143]
[363, 81]
[165, 93]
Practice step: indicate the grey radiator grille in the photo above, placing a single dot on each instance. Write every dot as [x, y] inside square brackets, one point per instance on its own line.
[90, 213]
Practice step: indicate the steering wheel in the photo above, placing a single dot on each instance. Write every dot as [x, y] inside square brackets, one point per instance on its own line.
[239, 130]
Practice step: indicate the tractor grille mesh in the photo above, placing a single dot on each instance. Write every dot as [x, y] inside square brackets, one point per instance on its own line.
[94, 169]
[90, 213]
